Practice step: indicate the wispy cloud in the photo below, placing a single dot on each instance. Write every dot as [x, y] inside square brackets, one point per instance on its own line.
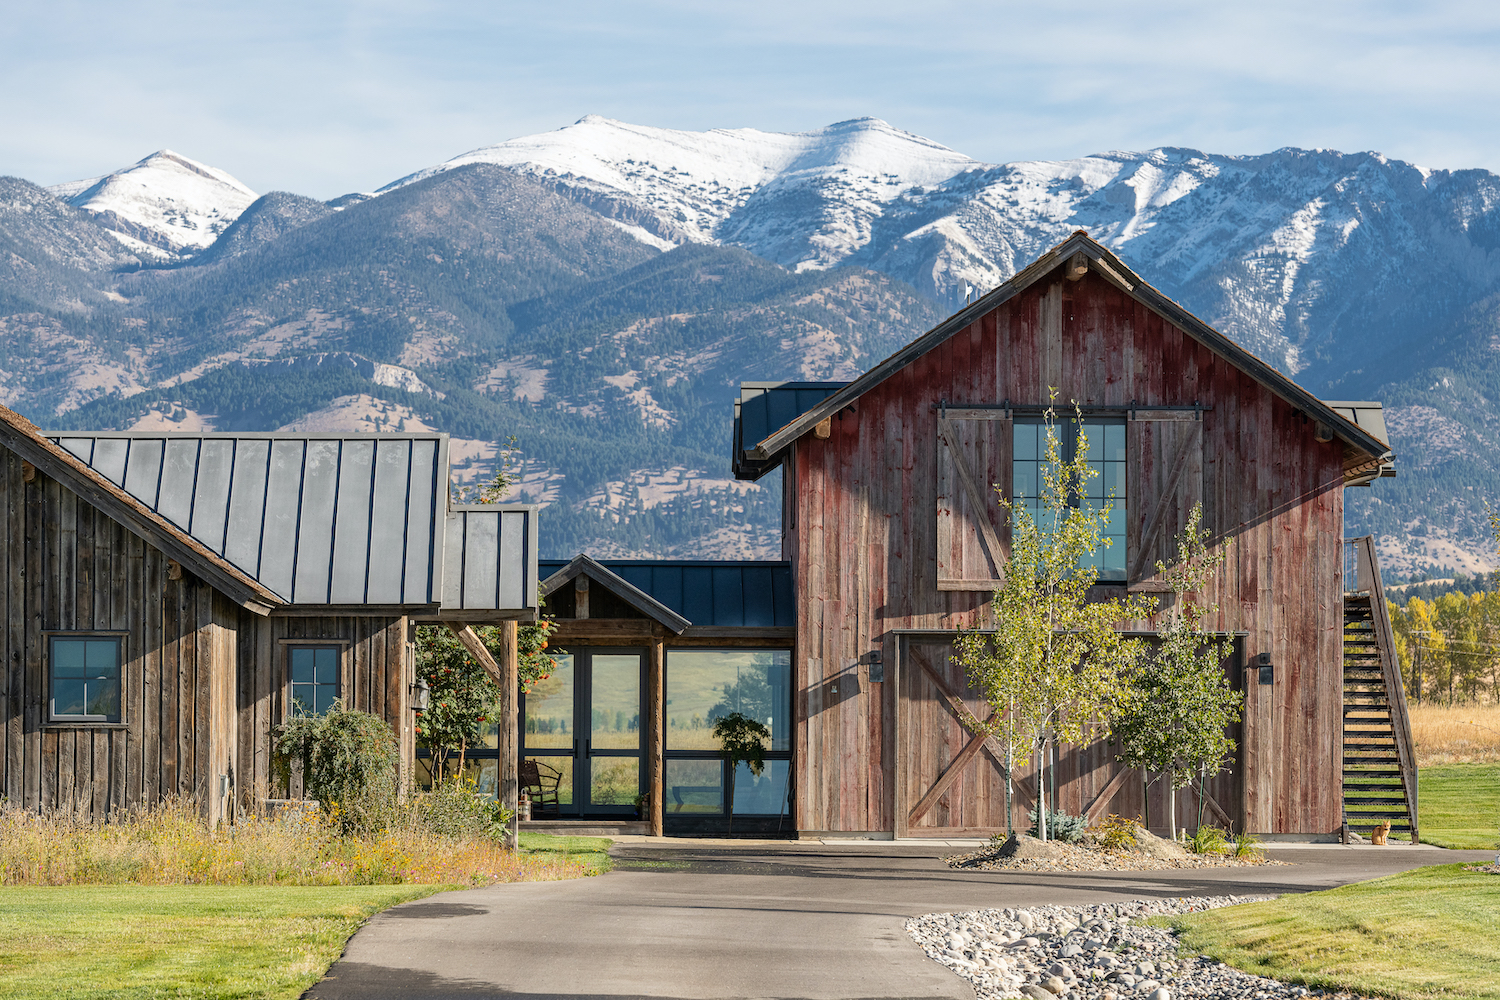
[324, 99]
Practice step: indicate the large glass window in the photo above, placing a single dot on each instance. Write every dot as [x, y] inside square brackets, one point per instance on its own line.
[315, 678]
[703, 686]
[1102, 442]
[84, 676]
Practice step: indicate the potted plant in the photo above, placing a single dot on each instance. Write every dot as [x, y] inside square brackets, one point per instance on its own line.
[742, 741]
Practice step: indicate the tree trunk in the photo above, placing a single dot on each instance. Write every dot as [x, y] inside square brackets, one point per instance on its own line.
[1041, 789]
[1172, 807]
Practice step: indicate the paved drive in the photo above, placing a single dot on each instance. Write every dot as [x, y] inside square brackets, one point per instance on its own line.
[686, 919]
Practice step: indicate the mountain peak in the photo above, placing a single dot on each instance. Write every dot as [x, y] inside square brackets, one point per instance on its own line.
[164, 201]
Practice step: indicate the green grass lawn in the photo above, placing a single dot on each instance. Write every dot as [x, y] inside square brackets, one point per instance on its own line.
[1428, 934]
[1458, 805]
[180, 941]
[591, 851]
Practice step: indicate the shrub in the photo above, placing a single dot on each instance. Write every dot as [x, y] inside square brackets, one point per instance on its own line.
[348, 761]
[1209, 840]
[453, 809]
[1116, 833]
[1062, 826]
[1247, 845]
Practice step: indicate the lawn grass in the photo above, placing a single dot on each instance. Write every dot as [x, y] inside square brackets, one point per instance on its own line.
[1458, 805]
[593, 852]
[1427, 934]
[128, 941]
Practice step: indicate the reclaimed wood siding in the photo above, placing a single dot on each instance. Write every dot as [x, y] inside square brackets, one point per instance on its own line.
[375, 676]
[864, 538]
[71, 568]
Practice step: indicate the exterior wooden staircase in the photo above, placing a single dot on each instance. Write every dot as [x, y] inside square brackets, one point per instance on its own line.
[1380, 774]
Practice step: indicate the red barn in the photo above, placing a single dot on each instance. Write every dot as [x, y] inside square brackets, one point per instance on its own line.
[895, 540]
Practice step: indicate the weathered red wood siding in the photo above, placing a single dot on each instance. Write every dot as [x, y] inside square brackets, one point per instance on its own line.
[862, 538]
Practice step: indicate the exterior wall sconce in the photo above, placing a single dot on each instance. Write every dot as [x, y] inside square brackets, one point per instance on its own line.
[1267, 671]
[877, 667]
[421, 695]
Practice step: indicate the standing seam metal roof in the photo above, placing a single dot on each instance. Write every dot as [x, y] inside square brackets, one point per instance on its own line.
[327, 519]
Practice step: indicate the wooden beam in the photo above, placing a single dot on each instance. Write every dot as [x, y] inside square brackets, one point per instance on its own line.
[1101, 800]
[655, 720]
[1077, 266]
[581, 597]
[1217, 809]
[508, 742]
[476, 648]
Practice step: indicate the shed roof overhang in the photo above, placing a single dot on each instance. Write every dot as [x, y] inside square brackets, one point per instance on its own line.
[1364, 452]
[632, 595]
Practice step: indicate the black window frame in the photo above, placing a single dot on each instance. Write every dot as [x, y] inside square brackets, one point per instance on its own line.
[121, 655]
[290, 648]
[726, 774]
[1069, 428]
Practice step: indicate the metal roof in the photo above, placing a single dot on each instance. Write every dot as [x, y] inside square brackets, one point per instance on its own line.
[763, 407]
[326, 519]
[745, 594]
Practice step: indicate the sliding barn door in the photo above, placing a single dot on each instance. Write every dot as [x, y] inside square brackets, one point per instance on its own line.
[950, 781]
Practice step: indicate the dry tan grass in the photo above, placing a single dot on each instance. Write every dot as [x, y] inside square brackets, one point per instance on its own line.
[171, 845]
[1462, 734]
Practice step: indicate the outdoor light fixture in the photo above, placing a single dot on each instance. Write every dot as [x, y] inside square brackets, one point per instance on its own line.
[1267, 671]
[877, 667]
[420, 695]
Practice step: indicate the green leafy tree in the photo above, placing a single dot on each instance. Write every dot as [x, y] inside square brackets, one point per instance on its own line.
[1178, 706]
[1054, 664]
[742, 741]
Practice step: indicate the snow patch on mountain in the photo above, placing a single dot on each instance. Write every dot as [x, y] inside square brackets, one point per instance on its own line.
[166, 200]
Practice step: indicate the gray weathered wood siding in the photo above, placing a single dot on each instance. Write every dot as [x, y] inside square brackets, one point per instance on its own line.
[375, 675]
[864, 533]
[69, 567]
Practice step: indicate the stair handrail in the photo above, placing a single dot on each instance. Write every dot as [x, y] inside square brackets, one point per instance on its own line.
[1390, 667]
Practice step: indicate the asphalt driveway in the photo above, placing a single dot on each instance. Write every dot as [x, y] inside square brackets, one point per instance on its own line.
[685, 920]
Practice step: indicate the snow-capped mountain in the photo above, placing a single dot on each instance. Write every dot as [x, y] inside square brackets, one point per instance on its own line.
[166, 205]
[1252, 241]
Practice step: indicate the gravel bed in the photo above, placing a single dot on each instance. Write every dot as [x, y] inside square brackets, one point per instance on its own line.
[1090, 953]
[1493, 869]
[1083, 859]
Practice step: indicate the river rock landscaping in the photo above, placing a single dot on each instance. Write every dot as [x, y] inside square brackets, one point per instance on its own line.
[1099, 952]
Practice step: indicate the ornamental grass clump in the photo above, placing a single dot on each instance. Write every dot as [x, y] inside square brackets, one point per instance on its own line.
[1115, 833]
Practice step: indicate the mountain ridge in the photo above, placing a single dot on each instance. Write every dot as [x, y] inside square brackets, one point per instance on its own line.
[607, 282]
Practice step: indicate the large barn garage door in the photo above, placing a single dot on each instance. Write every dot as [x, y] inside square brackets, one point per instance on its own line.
[949, 781]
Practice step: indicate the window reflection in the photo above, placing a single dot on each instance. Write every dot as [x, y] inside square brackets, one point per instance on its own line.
[706, 685]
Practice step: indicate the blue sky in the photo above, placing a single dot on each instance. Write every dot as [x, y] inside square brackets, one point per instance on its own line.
[324, 98]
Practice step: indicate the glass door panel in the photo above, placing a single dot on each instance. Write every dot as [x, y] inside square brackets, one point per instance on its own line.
[549, 709]
[612, 705]
[616, 710]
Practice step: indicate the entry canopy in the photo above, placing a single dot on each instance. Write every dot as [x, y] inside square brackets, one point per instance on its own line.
[330, 520]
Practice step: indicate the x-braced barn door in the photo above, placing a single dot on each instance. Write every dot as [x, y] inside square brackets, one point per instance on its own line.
[950, 781]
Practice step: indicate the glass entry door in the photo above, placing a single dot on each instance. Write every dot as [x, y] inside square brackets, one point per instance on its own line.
[583, 723]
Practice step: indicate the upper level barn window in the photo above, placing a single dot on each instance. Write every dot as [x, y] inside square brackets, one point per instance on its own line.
[315, 678]
[1102, 440]
[84, 678]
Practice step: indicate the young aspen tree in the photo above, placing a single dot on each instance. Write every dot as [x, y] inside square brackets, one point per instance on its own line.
[1175, 713]
[1055, 664]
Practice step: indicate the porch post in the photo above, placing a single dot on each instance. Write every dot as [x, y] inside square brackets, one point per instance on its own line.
[509, 736]
[654, 721]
